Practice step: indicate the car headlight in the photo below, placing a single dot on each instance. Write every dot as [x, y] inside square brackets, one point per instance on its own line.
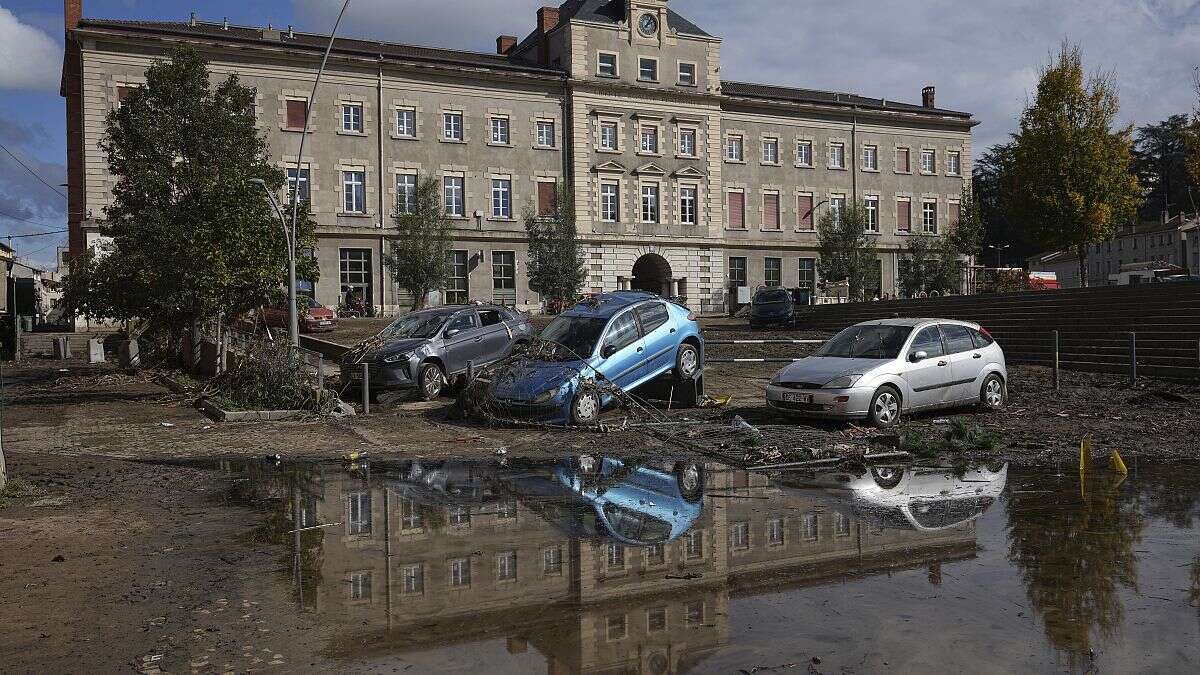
[843, 382]
[546, 396]
[397, 358]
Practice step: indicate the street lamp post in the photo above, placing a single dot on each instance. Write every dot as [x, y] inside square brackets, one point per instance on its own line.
[293, 326]
[999, 251]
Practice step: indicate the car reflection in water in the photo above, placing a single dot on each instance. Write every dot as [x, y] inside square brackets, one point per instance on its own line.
[924, 499]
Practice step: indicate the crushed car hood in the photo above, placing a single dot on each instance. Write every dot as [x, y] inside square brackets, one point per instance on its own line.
[821, 369]
[375, 348]
[526, 380]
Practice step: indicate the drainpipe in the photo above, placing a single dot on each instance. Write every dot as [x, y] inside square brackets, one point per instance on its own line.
[383, 285]
[854, 154]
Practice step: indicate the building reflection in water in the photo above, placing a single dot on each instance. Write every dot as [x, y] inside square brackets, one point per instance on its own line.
[599, 566]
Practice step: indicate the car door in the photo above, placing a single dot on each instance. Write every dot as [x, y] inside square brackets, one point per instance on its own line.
[496, 335]
[930, 377]
[966, 362]
[622, 351]
[660, 335]
[463, 341]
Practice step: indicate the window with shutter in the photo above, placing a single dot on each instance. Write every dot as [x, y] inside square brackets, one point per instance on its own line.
[546, 199]
[903, 215]
[804, 212]
[771, 211]
[954, 214]
[296, 111]
[737, 210]
[902, 160]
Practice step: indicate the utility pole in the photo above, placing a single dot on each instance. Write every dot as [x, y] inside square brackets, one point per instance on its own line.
[3, 468]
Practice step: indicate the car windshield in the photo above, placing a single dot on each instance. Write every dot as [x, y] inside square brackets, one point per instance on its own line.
[418, 325]
[635, 526]
[867, 342]
[313, 304]
[774, 295]
[578, 334]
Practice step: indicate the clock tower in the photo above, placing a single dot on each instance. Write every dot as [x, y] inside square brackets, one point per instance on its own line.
[647, 21]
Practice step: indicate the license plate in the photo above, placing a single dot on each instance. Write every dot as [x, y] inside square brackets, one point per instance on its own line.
[324, 323]
[797, 398]
[356, 374]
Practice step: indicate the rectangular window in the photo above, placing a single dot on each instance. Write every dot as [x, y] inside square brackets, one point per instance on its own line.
[656, 554]
[616, 557]
[872, 207]
[929, 217]
[608, 136]
[650, 139]
[694, 613]
[358, 513]
[552, 561]
[837, 155]
[610, 210]
[773, 271]
[406, 193]
[739, 536]
[545, 134]
[687, 142]
[500, 130]
[456, 287]
[687, 74]
[902, 161]
[954, 163]
[501, 198]
[837, 206]
[775, 530]
[452, 126]
[606, 64]
[504, 277]
[124, 92]
[297, 110]
[841, 525]
[737, 210]
[810, 526]
[808, 273]
[360, 586]
[410, 515]
[453, 196]
[616, 627]
[352, 118]
[904, 215]
[737, 271]
[460, 572]
[956, 216]
[804, 213]
[770, 211]
[804, 156]
[687, 205]
[656, 619]
[648, 69]
[770, 151]
[506, 566]
[406, 122]
[733, 149]
[928, 161]
[301, 175]
[649, 203]
[870, 159]
[694, 546]
[547, 198]
[354, 191]
[412, 578]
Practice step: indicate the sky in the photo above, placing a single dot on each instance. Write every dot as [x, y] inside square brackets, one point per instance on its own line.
[983, 57]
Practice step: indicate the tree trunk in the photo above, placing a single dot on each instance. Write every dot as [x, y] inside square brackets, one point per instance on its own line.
[1081, 251]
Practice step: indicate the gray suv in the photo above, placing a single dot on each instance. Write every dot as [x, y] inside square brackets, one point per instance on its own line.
[428, 349]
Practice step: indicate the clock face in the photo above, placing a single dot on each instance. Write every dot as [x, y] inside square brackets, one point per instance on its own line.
[648, 25]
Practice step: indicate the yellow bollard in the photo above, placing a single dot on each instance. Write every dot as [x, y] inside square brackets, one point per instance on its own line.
[1085, 454]
[1118, 464]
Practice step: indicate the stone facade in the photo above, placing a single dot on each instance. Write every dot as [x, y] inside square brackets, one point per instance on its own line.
[624, 105]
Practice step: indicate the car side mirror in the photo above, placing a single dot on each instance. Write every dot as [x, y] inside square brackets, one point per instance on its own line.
[608, 351]
[919, 356]
[452, 332]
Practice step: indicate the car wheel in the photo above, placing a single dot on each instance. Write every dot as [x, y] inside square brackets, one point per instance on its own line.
[585, 409]
[992, 394]
[885, 408]
[687, 361]
[887, 477]
[690, 477]
[432, 381]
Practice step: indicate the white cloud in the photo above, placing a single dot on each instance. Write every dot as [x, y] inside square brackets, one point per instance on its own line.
[29, 58]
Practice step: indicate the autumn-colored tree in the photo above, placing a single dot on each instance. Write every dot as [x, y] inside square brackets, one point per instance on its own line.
[1071, 184]
[1193, 138]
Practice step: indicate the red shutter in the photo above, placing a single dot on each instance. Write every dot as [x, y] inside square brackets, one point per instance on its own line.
[123, 93]
[546, 199]
[804, 211]
[296, 111]
[771, 212]
[902, 160]
[954, 215]
[737, 210]
[904, 215]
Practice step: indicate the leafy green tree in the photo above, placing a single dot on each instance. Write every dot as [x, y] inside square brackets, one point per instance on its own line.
[1160, 162]
[1071, 183]
[1193, 136]
[914, 269]
[556, 269]
[418, 258]
[967, 237]
[192, 237]
[990, 182]
[847, 252]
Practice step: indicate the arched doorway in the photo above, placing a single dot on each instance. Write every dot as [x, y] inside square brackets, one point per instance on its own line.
[652, 273]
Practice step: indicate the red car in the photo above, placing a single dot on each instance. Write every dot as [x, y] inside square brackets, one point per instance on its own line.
[317, 319]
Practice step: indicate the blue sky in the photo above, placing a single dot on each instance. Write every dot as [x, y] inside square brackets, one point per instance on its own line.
[983, 57]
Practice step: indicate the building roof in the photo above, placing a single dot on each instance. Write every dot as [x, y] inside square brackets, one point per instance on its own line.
[316, 42]
[794, 95]
[613, 12]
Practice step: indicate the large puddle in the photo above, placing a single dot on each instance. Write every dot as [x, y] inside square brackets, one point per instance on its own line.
[603, 565]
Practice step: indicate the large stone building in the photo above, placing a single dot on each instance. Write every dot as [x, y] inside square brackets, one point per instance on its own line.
[684, 183]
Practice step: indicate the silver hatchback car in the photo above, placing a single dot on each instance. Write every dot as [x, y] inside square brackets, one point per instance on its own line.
[878, 370]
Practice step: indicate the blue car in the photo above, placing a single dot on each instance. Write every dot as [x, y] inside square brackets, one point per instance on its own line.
[611, 343]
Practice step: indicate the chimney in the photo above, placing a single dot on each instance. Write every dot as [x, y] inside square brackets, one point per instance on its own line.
[505, 43]
[72, 14]
[928, 97]
[192, 20]
[547, 18]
